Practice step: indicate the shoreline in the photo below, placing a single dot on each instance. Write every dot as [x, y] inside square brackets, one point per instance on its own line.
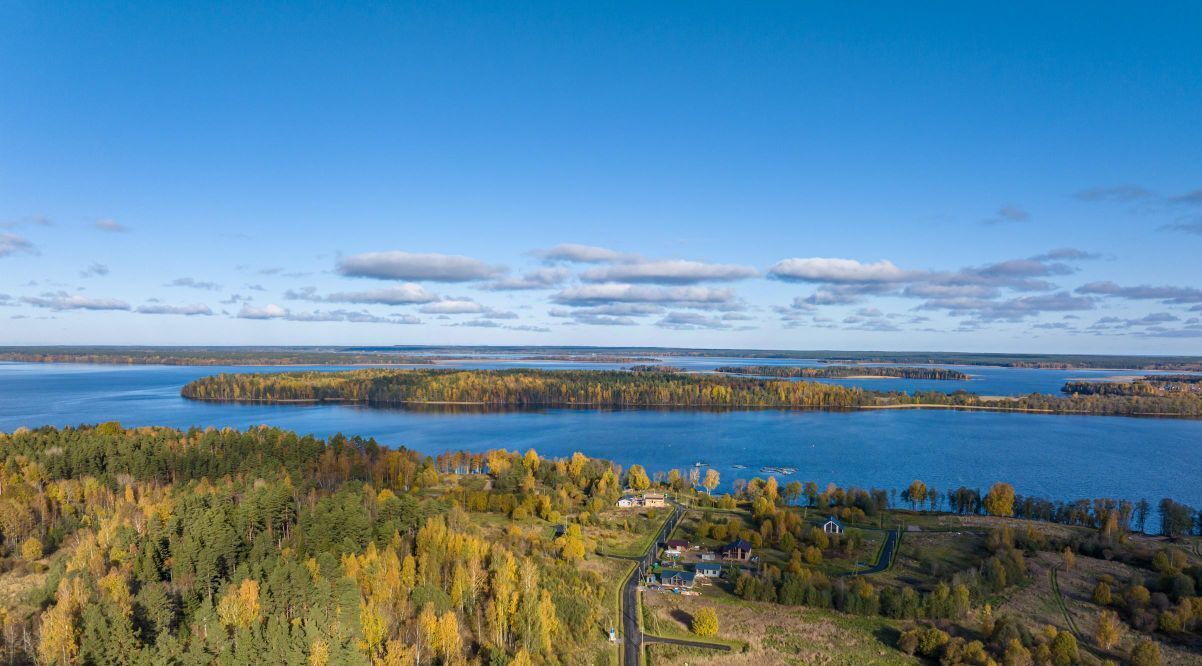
[687, 407]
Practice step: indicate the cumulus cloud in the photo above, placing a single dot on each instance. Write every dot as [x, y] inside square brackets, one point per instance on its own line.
[691, 321]
[192, 310]
[1066, 254]
[65, 301]
[12, 243]
[1013, 309]
[417, 267]
[453, 306]
[270, 311]
[405, 294]
[596, 316]
[607, 293]
[1164, 294]
[110, 225]
[675, 271]
[93, 270]
[972, 290]
[193, 283]
[543, 278]
[837, 271]
[582, 254]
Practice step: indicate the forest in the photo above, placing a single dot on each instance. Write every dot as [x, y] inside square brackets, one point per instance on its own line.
[159, 546]
[606, 388]
[1151, 385]
[844, 371]
[667, 389]
[162, 546]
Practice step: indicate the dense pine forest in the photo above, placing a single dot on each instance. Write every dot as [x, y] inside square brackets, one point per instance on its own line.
[844, 371]
[156, 546]
[645, 388]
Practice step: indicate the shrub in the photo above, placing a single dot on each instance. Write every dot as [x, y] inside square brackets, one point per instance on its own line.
[705, 622]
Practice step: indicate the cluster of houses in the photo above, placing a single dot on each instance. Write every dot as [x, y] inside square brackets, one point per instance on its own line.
[679, 576]
[644, 501]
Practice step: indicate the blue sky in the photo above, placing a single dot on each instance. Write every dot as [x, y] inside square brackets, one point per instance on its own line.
[1014, 177]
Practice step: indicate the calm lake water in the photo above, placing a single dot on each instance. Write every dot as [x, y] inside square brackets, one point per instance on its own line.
[1065, 457]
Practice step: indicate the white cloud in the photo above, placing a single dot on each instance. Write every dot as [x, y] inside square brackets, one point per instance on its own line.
[265, 312]
[543, 278]
[599, 294]
[405, 294]
[674, 271]
[453, 306]
[833, 270]
[65, 301]
[417, 267]
[193, 310]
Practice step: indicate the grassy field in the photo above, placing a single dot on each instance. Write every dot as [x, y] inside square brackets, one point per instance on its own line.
[774, 634]
[610, 538]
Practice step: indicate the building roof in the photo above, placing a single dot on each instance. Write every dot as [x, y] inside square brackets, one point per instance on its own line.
[834, 520]
[738, 544]
[669, 574]
[707, 566]
[676, 543]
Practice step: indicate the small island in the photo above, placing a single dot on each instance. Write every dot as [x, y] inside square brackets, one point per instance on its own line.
[522, 388]
[845, 372]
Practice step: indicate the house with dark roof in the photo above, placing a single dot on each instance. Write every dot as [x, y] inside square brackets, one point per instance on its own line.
[677, 544]
[833, 526]
[677, 578]
[738, 550]
[708, 570]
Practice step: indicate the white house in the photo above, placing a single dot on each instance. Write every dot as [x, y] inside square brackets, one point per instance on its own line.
[832, 526]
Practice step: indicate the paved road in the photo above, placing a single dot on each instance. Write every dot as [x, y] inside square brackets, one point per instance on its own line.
[885, 560]
[632, 653]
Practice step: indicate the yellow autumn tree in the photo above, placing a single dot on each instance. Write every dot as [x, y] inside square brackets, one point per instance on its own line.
[705, 622]
[239, 606]
[1000, 500]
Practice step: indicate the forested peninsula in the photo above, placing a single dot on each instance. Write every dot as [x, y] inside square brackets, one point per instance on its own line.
[617, 389]
[844, 372]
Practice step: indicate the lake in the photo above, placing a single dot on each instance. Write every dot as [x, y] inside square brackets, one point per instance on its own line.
[1061, 457]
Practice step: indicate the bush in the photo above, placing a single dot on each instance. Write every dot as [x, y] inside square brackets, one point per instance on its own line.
[31, 549]
[705, 622]
[1146, 653]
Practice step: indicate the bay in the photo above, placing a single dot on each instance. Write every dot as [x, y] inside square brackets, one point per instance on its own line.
[1059, 457]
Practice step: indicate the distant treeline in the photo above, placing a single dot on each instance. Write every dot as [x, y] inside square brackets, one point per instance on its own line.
[844, 371]
[414, 354]
[594, 388]
[1152, 385]
[199, 356]
[612, 388]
